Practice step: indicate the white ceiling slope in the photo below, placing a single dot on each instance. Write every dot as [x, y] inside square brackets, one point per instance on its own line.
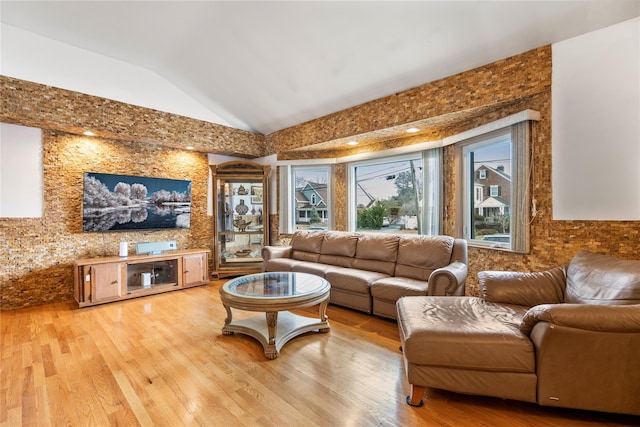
[268, 65]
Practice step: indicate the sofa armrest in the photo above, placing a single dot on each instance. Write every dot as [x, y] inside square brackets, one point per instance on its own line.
[272, 252]
[519, 288]
[448, 280]
[589, 317]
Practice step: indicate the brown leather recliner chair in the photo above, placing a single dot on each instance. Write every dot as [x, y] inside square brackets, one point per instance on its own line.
[567, 337]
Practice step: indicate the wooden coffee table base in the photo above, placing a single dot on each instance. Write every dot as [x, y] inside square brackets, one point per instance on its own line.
[276, 328]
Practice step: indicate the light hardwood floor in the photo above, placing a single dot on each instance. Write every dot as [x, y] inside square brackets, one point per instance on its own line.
[163, 361]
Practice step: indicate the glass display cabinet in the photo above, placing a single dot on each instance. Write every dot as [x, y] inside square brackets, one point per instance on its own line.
[241, 215]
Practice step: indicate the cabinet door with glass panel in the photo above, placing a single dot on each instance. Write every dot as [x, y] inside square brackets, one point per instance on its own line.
[241, 217]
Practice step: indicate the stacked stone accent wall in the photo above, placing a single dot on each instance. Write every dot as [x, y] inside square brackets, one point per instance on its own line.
[439, 105]
[31, 104]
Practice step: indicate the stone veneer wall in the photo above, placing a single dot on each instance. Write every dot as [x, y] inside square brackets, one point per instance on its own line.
[41, 251]
[498, 90]
[474, 93]
[35, 105]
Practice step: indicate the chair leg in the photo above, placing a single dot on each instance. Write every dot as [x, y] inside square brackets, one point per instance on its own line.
[415, 398]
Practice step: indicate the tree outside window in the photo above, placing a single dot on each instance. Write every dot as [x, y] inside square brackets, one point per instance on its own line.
[389, 194]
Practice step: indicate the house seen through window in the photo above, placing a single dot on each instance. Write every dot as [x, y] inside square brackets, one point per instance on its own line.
[311, 198]
[489, 212]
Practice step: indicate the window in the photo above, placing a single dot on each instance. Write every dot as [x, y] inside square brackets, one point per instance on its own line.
[396, 193]
[499, 217]
[482, 174]
[305, 193]
[478, 194]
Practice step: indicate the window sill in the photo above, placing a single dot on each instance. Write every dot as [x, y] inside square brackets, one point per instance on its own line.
[505, 247]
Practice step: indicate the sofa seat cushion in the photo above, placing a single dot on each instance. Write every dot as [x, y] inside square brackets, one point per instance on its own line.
[313, 268]
[280, 264]
[392, 288]
[352, 280]
[464, 333]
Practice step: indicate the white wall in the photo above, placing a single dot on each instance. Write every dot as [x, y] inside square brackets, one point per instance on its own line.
[21, 175]
[596, 125]
[29, 56]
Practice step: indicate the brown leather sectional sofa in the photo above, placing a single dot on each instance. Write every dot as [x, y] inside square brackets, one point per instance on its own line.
[567, 337]
[370, 271]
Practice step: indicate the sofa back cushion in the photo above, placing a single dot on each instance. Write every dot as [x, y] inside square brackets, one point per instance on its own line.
[602, 279]
[306, 245]
[418, 256]
[338, 248]
[376, 252]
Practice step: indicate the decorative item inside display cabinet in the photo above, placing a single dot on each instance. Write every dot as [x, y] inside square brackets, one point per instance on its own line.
[241, 215]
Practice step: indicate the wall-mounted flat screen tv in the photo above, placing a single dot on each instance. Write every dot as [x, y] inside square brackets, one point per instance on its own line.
[128, 203]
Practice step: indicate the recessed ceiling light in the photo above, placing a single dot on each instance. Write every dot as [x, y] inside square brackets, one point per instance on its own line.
[352, 143]
[88, 133]
[412, 130]
[189, 147]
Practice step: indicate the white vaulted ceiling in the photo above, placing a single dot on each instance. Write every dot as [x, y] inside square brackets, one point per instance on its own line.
[268, 65]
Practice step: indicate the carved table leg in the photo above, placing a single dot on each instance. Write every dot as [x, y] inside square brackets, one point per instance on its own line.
[272, 324]
[227, 320]
[323, 315]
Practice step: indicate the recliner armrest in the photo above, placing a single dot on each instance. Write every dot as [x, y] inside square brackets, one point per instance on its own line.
[448, 280]
[586, 355]
[272, 252]
[520, 288]
[590, 317]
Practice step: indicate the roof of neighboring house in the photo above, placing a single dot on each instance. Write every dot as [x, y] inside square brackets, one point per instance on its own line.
[492, 202]
[319, 189]
[497, 171]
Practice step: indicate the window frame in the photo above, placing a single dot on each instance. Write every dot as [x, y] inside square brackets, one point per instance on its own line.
[519, 136]
[287, 195]
[432, 166]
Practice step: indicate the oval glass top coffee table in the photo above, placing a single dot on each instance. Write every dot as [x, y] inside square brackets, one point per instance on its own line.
[274, 294]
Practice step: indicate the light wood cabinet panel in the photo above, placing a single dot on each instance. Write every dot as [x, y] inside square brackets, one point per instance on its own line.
[193, 269]
[106, 281]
